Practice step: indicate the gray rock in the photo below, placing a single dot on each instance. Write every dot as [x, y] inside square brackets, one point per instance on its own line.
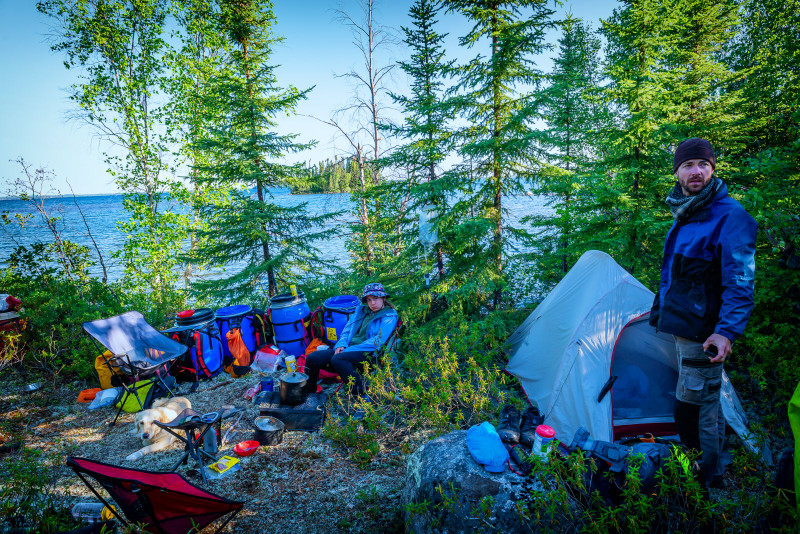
[447, 491]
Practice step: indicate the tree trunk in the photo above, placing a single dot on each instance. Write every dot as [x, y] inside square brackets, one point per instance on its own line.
[496, 171]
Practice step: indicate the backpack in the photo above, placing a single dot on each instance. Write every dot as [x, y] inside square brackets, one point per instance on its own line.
[203, 357]
[614, 462]
[263, 328]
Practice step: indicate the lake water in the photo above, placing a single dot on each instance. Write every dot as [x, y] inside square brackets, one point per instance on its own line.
[103, 211]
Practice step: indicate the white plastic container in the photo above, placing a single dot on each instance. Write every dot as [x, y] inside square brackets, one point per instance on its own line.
[543, 441]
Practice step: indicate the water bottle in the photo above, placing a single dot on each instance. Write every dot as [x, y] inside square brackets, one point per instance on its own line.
[252, 391]
[210, 441]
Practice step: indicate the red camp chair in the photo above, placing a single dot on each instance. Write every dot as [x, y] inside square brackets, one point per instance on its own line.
[166, 503]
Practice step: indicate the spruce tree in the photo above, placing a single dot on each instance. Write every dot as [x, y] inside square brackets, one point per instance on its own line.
[425, 137]
[263, 246]
[495, 102]
[657, 57]
[572, 113]
[767, 171]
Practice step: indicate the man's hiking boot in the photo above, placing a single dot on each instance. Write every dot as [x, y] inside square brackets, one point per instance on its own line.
[530, 420]
[508, 427]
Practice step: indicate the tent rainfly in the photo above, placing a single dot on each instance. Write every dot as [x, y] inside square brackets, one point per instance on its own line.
[591, 328]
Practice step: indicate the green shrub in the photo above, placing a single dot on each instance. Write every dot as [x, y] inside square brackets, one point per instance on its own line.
[27, 496]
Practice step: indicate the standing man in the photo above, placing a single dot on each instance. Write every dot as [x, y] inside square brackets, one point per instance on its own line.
[705, 296]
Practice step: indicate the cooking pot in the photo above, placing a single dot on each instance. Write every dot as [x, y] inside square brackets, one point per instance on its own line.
[293, 388]
[269, 430]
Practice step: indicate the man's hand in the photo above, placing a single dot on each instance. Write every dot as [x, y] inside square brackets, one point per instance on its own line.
[723, 345]
[338, 350]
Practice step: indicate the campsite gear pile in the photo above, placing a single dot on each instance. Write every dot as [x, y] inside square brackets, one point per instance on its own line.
[138, 363]
[617, 459]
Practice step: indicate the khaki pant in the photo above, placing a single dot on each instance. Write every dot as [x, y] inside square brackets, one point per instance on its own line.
[698, 412]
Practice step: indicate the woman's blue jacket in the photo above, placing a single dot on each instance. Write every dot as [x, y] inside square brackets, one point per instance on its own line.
[379, 329]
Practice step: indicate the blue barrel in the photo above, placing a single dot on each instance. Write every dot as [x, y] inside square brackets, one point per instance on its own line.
[335, 313]
[238, 316]
[289, 315]
[205, 337]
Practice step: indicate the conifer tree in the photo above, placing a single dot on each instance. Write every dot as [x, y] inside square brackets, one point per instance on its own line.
[658, 56]
[572, 114]
[767, 166]
[495, 142]
[261, 244]
[425, 135]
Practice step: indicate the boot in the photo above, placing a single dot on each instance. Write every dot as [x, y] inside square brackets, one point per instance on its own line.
[530, 420]
[508, 427]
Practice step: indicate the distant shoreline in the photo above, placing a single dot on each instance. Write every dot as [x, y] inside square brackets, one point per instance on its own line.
[69, 196]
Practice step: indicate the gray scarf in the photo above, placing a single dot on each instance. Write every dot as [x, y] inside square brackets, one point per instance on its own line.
[684, 207]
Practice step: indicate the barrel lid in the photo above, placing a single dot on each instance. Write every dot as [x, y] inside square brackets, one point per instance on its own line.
[286, 300]
[234, 311]
[294, 378]
[200, 316]
[545, 431]
[342, 302]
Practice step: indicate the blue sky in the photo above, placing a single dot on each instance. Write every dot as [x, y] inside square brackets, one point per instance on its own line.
[34, 124]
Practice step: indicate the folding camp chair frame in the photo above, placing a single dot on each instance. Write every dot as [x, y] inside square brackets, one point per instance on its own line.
[386, 348]
[192, 441]
[123, 361]
[119, 516]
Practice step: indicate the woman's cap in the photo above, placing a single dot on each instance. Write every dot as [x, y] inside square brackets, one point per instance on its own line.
[375, 289]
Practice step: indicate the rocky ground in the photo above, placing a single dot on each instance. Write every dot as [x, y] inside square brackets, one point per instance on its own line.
[305, 484]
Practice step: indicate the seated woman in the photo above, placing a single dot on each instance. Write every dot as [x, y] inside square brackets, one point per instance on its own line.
[367, 330]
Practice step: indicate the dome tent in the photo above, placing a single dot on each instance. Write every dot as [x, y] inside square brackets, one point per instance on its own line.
[593, 327]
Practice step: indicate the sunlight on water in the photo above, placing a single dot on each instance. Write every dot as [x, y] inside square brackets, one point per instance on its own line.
[103, 211]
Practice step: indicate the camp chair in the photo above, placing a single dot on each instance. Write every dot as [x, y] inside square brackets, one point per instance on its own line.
[140, 351]
[375, 357]
[196, 425]
[166, 503]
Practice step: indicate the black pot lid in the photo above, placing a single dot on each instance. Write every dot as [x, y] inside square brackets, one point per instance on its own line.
[268, 424]
[294, 378]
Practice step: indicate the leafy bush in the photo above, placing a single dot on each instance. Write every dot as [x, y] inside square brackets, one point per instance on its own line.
[56, 306]
[27, 496]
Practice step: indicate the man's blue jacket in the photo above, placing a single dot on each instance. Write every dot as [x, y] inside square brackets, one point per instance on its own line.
[379, 329]
[708, 272]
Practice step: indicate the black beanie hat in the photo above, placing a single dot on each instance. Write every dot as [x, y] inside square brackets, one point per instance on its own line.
[693, 148]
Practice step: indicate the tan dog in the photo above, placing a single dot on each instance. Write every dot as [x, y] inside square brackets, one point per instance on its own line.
[153, 436]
